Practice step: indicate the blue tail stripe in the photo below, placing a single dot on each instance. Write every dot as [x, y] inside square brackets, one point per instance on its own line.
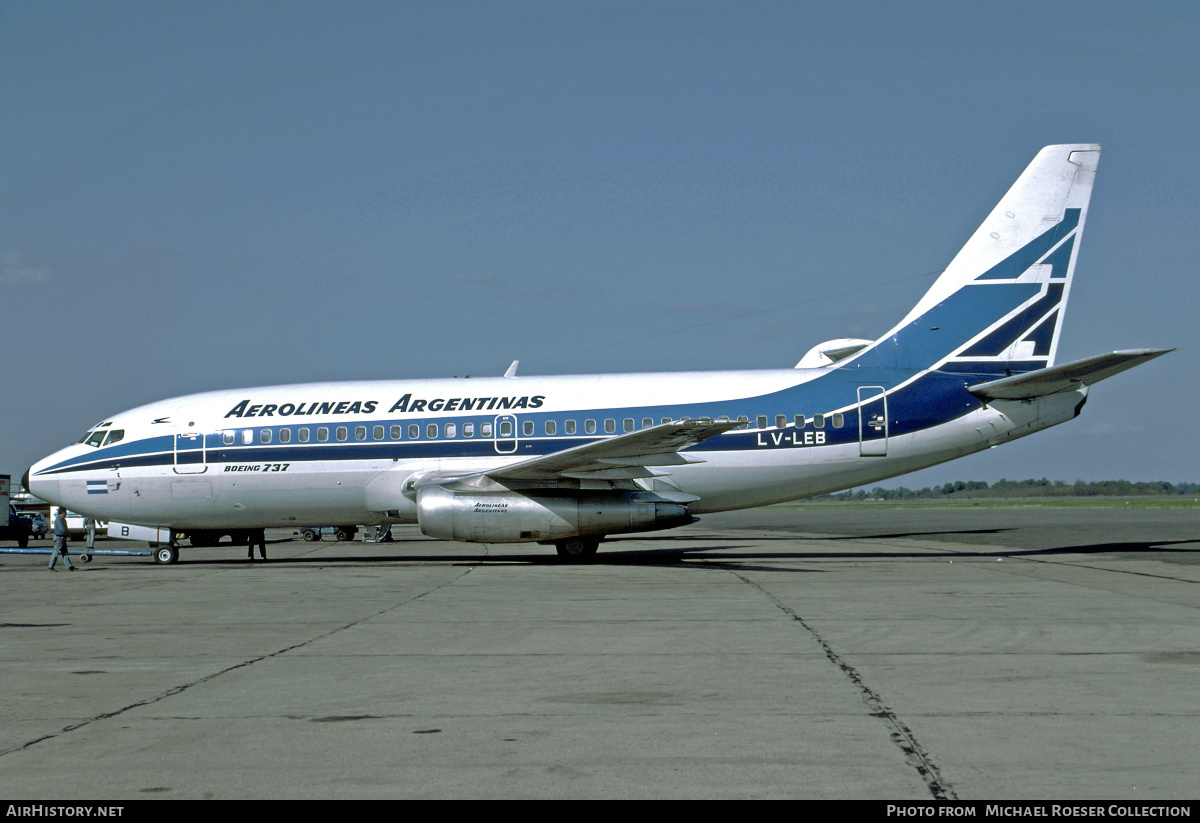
[1016, 263]
[1003, 337]
[1043, 336]
[1061, 259]
[948, 326]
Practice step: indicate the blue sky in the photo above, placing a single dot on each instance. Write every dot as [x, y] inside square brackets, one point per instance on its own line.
[214, 195]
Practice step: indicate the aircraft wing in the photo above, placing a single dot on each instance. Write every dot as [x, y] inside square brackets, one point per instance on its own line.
[623, 457]
[1067, 376]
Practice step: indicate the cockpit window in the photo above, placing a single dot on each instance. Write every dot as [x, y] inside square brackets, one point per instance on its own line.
[85, 437]
[96, 439]
[115, 436]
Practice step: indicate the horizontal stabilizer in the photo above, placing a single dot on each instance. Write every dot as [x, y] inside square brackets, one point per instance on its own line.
[1067, 376]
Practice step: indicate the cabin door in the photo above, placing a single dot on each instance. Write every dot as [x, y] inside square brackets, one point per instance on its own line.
[872, 421]
[190, 455]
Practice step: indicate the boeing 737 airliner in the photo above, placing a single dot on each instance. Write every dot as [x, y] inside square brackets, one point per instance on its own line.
[569, 459]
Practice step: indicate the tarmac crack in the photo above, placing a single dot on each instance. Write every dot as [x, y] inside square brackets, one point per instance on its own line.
[900, 734]
[176, 690]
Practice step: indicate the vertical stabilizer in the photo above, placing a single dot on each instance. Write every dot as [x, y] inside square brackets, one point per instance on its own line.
[1000, 302]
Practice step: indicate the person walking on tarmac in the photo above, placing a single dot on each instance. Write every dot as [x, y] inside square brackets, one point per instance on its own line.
[60, 540]
[257, 538]
[89, 523]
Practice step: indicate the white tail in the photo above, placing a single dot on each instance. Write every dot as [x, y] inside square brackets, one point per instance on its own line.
[1000, 302]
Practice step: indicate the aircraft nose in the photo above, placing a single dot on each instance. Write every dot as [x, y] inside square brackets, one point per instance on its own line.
[40, 487]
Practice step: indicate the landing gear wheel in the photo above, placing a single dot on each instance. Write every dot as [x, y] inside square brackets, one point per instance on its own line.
[166, 555]
[85, 558]
[342, 534]
[577, 549]
[309, 535]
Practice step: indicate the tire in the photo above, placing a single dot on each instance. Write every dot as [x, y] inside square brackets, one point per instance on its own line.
[577, 549]
[166, 555]
[85, 558]
[309, 535]
[342, 534]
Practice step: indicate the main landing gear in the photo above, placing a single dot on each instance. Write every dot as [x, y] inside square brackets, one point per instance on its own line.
[577, 549]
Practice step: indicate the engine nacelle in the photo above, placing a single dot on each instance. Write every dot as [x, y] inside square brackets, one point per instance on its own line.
[514, 518]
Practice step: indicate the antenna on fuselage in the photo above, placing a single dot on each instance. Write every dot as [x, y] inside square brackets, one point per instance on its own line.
[512, 370]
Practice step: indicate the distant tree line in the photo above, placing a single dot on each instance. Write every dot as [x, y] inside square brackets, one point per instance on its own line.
[980, 489]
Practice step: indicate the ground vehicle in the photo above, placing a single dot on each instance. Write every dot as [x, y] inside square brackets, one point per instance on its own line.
[37, 523]
[15, 528]
[311, 533]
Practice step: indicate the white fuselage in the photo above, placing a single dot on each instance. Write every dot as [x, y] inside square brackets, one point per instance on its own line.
[301, 454]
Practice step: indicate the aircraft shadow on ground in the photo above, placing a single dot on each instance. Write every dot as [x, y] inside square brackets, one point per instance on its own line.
[719, 553]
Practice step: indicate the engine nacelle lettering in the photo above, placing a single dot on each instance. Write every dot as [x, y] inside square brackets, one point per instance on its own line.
[514, 518]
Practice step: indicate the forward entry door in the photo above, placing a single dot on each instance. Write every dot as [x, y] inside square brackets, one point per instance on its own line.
[190, 455]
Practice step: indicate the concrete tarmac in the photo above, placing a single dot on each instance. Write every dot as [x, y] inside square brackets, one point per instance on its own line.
[810, 652]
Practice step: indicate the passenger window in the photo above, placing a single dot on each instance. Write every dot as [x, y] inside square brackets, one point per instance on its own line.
[114, 436]
[762, 421]
[377, 432]
[394, 432]
[589, 426]
[247, 436]
[485, 429]
[468, 429]
[723, 418]
[303, 435]
[451, 430]
[744, 420]
[627, 424]
[360, 432]
[818, 421]
[227, 437]
[780, 421]
[264, 435]
[414, 432]
[506, 429]
[838, 420]
[285, 435]
[610, 425]
[322, 434]
[647, 422]
[431, 431]
[341, 432]
[551, 427]
[799, 421]
[665, 420]
[569, 427]
[527, 428]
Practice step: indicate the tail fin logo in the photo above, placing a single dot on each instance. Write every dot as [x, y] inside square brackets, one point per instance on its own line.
[999, 305]
[1029, 335]
[1039, 252]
